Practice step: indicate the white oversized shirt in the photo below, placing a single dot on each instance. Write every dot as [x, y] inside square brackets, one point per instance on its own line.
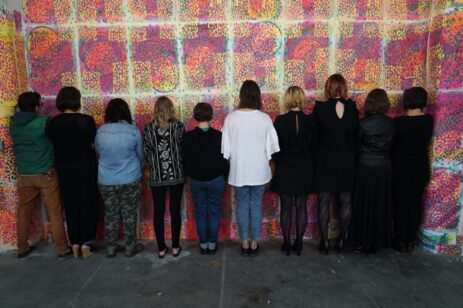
[248, 141]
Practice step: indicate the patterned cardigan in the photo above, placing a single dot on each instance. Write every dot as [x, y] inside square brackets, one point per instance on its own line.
[163, 153]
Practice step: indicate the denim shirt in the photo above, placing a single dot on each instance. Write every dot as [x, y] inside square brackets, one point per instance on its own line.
[120, 153]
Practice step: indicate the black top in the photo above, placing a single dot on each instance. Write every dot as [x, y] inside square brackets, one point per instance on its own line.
[375, 140]
[164, 153]
[336, 143]
[411, 146]
[294, 163]
[73, 135]
[203, 160]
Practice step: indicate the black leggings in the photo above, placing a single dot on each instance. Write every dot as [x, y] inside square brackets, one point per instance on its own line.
[175, 205]
[345, 212]
[287, 202]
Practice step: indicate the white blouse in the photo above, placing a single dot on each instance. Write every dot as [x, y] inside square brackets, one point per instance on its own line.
[248, 141]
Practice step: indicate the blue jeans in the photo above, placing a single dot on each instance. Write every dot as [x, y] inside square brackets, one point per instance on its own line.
[249, 211]
[207, 196]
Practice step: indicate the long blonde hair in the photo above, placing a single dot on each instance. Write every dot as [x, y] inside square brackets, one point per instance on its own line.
[164, 113]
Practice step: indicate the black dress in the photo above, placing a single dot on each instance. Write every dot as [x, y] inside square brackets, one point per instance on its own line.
[294, 163]
[336, 138]
[411, 172]
[372, 197]
[73, 135]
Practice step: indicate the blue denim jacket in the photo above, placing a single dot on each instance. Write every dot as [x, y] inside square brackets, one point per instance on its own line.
[120, 153]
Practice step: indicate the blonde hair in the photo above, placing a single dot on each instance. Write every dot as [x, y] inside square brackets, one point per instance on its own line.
[294, 97]
[164, 113]
[336, 86]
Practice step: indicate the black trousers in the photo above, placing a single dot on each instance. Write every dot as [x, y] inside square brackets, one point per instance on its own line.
[79, 195]
[175, 205]
[408, 209]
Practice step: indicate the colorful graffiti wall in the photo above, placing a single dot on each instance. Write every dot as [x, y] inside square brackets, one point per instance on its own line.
[198, 50]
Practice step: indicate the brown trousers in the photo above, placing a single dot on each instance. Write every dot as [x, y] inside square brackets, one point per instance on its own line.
[29, 189]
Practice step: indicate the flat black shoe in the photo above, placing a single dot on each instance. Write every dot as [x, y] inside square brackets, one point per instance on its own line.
[204, 251]
[27, 252]
[213, 251]
[160, 256]
[175, 255]
[136, 250]
[244, 251]
[254, 252]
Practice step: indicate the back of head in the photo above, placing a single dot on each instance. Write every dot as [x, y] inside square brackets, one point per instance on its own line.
[294, 98]
[203, 112]
[415, 98]
[377, 102]
[29, 101]
[68, 98]
[250, 96]
[117, 110]
[164, 112]
[336, 86]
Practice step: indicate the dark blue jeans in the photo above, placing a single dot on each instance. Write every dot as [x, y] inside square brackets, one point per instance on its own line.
[207, 196]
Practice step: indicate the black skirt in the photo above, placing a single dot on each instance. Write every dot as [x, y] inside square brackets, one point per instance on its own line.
[371, 213]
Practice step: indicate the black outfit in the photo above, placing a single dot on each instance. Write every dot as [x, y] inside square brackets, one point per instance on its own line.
[335, 160]
[73, 135]
[293, 179]
[372, 198]
[411, 173]
[164, 154]
[203, 160]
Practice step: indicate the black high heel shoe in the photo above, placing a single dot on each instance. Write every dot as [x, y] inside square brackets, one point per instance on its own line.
[286, 247]
[162, 253]
[179, 250]
[297, 246]
[324, 245]
[340, 245]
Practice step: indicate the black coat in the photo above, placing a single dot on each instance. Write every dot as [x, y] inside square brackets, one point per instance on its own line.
[336, 146]
[375, 137]
[294, 162]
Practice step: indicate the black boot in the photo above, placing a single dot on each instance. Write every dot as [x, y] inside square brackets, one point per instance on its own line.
[324, 245]
[286, 247]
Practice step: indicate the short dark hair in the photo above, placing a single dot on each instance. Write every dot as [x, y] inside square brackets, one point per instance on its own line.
[68, 98]
[117, 110]
[415, 98]
[377, 102]
[203, 112]
[250, 96]
[29, 101]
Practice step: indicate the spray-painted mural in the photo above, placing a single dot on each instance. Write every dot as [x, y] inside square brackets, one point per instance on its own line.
[195, 50]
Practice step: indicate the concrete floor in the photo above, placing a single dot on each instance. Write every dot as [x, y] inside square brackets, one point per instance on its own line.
[388, 279]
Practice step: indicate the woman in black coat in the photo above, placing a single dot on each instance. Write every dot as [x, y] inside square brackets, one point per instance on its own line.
[372, 198]
[293, 179]
[411, 168]
[336, 122]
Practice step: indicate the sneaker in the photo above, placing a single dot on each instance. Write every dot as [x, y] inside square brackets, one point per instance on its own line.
[132, 252]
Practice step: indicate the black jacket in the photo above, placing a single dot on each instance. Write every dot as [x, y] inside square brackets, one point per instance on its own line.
[376, 134]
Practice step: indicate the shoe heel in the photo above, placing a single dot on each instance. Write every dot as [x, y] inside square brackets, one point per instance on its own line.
[76, 251]
[86, 251]
[326, 247]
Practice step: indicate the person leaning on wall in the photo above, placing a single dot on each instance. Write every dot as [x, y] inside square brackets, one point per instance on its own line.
[163, 147]
[36, 173]
[411, 167]
[248, 141]
[73, 136]
[372, 198]
[120, 158]
[336, 124]
[206, 167]
[293, 179]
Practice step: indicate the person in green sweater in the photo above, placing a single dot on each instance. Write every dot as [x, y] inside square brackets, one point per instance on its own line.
[36, 175]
